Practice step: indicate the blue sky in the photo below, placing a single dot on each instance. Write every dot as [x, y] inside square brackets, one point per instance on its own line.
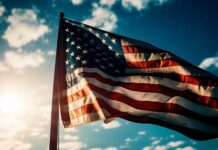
[28, 32]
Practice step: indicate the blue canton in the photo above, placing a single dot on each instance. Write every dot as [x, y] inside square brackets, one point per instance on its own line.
[92, 48]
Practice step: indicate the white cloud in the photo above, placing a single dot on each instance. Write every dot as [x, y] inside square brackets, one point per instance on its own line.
[111, 125]
[70, 137]
[15, 145]
[108, 148]
[161, 147]
[2, 10]
[111, 148]
[107, 2]
[155, 142]
[141, 4]
[3, 67]
[77, 2]
[147, 148]
[51, 53]
[141, 133]
[36, 131]
[75, 145]
[186, 148]
[175, 143]
[209, 62]
[95, 149]
[24, 27]
[20, 60]
[102, 18]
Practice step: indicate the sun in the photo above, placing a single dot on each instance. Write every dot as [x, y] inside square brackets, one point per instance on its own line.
[11, 103]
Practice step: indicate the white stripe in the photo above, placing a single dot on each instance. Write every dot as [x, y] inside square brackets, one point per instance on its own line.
[172, 118]
[135, 57]
[146, 96]
[183, 70]
[83, 119]
[200, 90]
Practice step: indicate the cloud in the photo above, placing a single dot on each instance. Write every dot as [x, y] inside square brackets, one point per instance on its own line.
[15, 145]
[111, 148]
[175, 143]
[211, 62]
[19, 60]
[141, 4]
[108, 3]
[186, 148]
[108, 148]
[141, 133]
[3, 68]
[111, 125]
[102, 18]
[51, 53]
[2, 10]
[167, 146]
[70, 137]
[24, 27]
[75, 145]
[77, 2]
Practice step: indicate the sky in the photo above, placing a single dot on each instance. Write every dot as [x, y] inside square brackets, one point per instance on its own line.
[28, 30]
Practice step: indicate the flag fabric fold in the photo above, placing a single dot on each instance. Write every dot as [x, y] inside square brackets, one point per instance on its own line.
[109, 76]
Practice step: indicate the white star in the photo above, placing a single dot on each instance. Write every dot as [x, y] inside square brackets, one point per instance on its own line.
[90, 29]
[104, 41]
[67, 62]
[67, 30]
[97, 34]
[85, 52]
[106, 34]
[72, 54]
[67, 50]
[72, 43]
[84, 62]
[78, 47]
[71, 33]
[78, 58]
[110, 47]
[117, 54]
[113, 40]
[67, 39]
[72, 66]
[66, 21]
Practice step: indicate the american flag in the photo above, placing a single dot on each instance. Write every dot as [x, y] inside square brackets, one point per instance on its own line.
[108, 76]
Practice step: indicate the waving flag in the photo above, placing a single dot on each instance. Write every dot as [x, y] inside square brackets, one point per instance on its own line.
[103, 76]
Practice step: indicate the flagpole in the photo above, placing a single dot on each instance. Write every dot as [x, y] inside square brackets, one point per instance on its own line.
[54, 129]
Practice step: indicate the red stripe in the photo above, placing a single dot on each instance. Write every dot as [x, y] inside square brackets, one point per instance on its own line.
[85, 109]
[156, 88]
[149, 106]
[153, 64]
[192, 133]
[139, 49]
[154, 106]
